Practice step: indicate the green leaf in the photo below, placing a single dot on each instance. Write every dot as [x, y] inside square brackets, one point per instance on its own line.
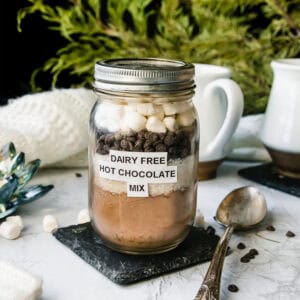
[8, 189]
[26, 173]
[31, 193]
[8, 151]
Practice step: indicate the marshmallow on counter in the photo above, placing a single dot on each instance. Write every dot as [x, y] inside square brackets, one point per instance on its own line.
[16, 219]
[83, 216]
[10, 230]
[186, 118]
[154, 124]
[170, 123]
[50, 223]
[135, 121]
[18, 284]
[175, 108]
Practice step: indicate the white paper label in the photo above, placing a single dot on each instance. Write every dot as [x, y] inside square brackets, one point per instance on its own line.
[138, 169]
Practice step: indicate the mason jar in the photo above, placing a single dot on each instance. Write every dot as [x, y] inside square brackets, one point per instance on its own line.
[143, 154]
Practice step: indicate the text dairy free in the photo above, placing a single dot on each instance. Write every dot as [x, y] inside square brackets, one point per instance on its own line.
[138, 169]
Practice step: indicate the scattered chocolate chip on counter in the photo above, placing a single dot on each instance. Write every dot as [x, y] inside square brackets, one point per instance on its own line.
[290, 234]
[253, 252]
[241, 246]
[210, 230]
[233, 288]
[245, 259]
[78, 174]
[248, 256]
[270, 228]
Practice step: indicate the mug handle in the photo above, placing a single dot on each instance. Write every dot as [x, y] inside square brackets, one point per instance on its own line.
[235, 106]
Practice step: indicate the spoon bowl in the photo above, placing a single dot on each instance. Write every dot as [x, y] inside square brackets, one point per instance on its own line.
[244, 208]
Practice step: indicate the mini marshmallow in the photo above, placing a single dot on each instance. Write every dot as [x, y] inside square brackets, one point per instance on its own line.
[112, 125]
[145, 109]
[135, 121]
[175, 108]
[10, 230]
[186, 118]
[149, 109]
[170, 123]
[154, 124]
[83, 216]
[16, 219]
[108, 116]
[49, 223]
[159, 112]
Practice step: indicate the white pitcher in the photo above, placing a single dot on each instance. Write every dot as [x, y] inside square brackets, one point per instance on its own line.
[219, 103]
[281, 130]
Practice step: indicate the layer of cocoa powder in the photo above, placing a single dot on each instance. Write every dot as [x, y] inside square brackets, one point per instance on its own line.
[142, 223]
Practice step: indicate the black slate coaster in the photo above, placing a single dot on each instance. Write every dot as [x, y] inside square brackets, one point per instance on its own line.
[267, 174]
[125, 269]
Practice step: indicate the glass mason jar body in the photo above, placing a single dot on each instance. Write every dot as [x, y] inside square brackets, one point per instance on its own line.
[143, 155]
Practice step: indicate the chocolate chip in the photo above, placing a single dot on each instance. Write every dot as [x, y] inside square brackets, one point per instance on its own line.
[161, 148]
[141, 134]
[147, 144]
[270, 228]
[210, 230]
[139, 145]
[131, 139]
[102, 138]
[172, 152]
[153, 137]
[241, 246]
[130, 146]
[109, 139]
[290, 234]
[233, 288]
[106, 148]
[124, 144]
[253, 252]
[161, 136]
[78, 174]
[169, 139]
[147, 134]
[149, 149]
[116, 145]
[245, 259]
[184, 152]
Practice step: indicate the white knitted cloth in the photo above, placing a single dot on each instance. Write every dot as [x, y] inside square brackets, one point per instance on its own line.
[52, 126]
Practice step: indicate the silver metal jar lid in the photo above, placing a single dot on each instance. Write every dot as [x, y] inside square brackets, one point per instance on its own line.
[149, 75]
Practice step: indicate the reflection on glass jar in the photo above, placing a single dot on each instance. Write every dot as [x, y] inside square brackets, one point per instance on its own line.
[143, 154]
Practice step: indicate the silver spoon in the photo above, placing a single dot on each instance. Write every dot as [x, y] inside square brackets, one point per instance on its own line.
[241, 209]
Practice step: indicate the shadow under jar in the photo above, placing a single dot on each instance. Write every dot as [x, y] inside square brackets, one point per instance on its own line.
[143, 154]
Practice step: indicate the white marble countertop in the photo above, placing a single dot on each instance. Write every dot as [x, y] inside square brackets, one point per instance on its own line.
[273, 274]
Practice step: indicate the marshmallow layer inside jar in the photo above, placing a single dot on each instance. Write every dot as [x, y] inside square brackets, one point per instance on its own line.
[143, 155]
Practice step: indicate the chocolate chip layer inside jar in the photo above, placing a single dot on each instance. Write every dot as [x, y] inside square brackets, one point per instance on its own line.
[143, 154]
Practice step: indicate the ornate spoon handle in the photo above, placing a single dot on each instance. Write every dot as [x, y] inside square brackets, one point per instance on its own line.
[210, 288]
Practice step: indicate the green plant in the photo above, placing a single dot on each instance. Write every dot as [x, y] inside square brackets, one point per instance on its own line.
[14, 176]
[242, 34]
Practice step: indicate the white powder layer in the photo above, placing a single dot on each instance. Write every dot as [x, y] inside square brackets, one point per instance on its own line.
[186, 170]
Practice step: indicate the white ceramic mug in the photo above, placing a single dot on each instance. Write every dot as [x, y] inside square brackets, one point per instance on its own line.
[219, 102]
[281, 130]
